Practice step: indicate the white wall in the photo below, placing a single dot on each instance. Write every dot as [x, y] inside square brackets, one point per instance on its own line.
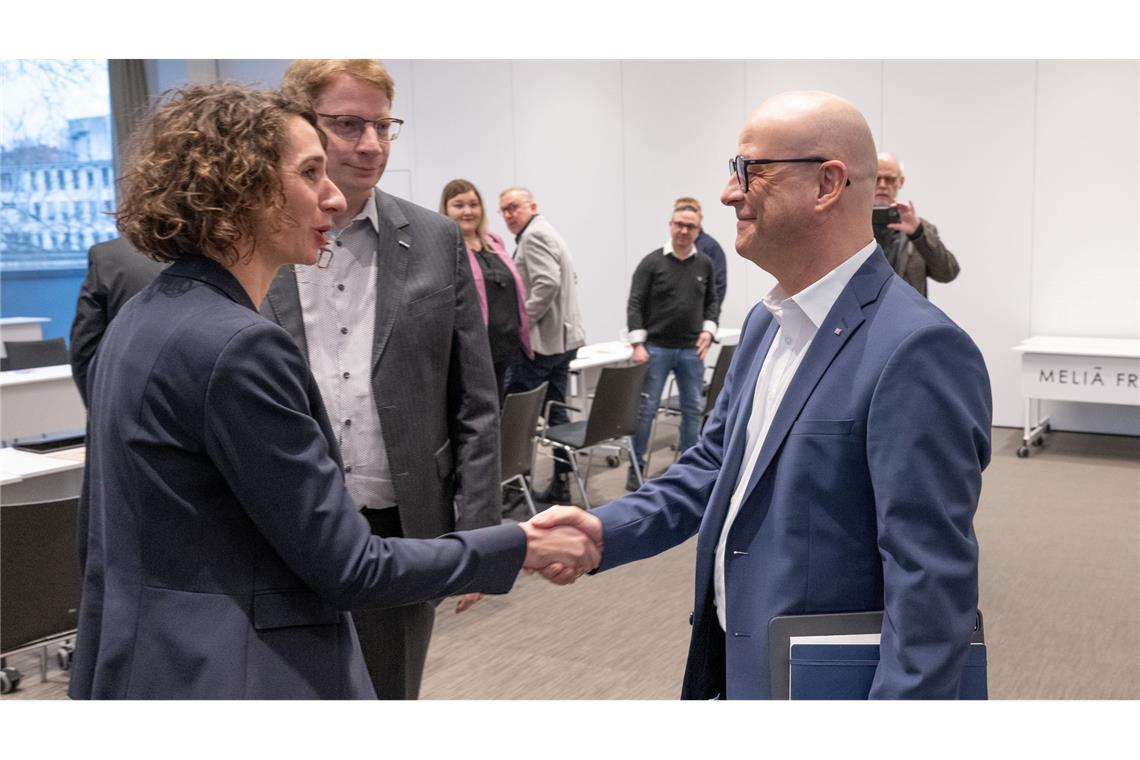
[1029, 169]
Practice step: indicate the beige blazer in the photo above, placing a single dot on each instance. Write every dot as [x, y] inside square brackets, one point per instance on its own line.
[547, 268]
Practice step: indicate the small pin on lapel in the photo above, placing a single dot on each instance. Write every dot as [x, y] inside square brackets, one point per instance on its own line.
[838, 330]
[404, 244]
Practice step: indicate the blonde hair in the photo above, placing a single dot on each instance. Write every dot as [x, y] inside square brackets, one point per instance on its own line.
[306, 78]
[687, 201]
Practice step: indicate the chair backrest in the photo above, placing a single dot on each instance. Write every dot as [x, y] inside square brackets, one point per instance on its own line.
[516, 431]
[617, 399]
[720, 372]
[27, 354]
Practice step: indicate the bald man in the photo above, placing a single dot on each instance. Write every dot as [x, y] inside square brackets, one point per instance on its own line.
[912, 245]
[841, 468]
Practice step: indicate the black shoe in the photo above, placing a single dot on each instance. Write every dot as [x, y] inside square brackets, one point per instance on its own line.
[631, 483]
[558, 492]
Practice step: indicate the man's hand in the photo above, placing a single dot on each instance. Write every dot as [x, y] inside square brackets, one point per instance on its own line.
[467, 601]
[704, 340]
[560, 549]
[908, 219]
[640, 355]
[569, 518]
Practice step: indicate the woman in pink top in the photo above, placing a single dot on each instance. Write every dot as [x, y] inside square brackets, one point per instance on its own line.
[502, 295]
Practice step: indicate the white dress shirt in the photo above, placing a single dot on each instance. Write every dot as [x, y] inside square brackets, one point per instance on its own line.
[799, 317]
[339, 308]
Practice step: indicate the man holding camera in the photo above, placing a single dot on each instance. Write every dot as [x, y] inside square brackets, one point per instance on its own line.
[911, 243]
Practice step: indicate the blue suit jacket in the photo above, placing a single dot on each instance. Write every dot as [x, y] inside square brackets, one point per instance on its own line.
[218, 544]
[863, 495]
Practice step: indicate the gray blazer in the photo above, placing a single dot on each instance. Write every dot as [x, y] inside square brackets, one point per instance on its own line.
[928, 256]
[432, 379]
[547, 268]
[115, 272]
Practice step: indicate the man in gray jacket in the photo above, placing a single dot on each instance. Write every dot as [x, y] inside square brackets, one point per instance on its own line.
[912, 245]
[547, 270]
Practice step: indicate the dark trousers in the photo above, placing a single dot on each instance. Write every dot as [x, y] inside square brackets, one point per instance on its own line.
[395, 640]
[528, 374]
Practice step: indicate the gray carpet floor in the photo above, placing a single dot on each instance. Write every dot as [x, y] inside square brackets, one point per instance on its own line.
[1060, 591]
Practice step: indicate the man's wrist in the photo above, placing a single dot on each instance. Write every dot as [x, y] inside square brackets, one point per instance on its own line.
[918, 232]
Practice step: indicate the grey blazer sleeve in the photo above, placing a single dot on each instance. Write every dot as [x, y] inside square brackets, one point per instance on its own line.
[474, 405]
[941, 265]
[544, 270]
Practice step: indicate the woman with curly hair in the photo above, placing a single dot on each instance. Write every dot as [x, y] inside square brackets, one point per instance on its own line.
[219, 547]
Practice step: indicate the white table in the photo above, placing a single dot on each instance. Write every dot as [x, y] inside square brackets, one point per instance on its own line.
[38, 401]
[27, 477]
[598, 355]
[1088, 370]
[20, 328]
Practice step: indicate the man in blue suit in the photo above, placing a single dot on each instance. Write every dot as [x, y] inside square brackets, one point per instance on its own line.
[842, 466]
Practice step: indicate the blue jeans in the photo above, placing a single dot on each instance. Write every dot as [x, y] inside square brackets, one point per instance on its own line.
[689, 369]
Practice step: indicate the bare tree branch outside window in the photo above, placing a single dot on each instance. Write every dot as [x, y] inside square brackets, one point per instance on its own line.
[56, 177]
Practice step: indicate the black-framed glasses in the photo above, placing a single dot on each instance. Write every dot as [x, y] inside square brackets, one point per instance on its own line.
[738, 165]
[349, 127]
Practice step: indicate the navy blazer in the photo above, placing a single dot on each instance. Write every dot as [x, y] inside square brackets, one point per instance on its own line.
[862, 498]
[219, 547]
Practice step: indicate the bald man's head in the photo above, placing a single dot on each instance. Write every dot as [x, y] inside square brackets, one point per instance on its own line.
[791, 209]
[814, 123]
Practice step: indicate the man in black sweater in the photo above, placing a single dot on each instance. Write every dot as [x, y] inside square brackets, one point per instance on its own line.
[671, 317]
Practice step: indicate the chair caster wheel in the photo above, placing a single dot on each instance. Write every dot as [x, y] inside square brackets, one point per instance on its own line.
[9, 680]
[63, 657]
[613, 460]
[1022, 452]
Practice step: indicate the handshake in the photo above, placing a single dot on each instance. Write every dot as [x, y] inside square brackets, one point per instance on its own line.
[562, 544]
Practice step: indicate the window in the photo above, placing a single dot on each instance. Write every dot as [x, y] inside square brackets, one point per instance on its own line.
[56, 128]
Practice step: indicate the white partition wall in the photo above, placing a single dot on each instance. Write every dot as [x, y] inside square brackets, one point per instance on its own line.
[964, 132]
[1030, 170]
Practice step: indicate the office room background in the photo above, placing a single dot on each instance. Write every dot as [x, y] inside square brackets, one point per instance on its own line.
[1028, 168]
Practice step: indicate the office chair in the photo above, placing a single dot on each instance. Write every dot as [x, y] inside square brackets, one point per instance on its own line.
[612, 419]
[517, 426]
[27, 354]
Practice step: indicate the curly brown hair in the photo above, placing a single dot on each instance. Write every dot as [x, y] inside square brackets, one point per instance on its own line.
[202, 170]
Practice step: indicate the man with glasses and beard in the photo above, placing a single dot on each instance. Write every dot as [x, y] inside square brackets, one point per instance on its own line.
[390, 323]
[912, 245]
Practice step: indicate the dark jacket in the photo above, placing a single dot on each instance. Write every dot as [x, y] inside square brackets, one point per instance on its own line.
[115, 272]
[218, 545]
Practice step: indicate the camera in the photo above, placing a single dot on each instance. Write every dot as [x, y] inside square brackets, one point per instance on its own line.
[881, 216]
